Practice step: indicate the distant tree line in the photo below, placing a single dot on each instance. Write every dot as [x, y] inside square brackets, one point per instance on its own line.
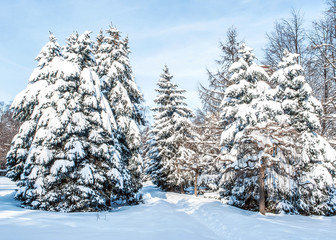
[8, 128]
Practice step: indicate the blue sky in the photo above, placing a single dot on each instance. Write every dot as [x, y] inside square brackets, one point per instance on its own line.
[184, 34]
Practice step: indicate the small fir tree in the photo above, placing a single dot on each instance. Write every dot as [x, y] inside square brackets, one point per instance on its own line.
[172, 130]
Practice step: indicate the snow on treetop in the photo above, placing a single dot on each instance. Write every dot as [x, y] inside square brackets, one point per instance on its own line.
[246, 53]
[236, 66]
[51, 50]
[288, 59]
[257, 73]
[112, 30]
[52, 38]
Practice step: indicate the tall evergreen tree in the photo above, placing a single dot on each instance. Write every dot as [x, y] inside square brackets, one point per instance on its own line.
[295, 95]
[172, 130]
[258, 149]
[72, 163]
[248, 85]
[317, 170]
[27, 106]
[118, 86]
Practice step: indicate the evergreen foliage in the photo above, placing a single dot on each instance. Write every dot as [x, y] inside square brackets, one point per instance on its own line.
[119, 88]
[317, 170]
[25, 107]
[259, 151]
[274, 158]
[64, 156]
[172, 130]
[243, 99]
[80, 146]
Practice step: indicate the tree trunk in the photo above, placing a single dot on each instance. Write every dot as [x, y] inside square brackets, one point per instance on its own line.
[324, 101]
[262, 190]
[195, 182]
[182, 188]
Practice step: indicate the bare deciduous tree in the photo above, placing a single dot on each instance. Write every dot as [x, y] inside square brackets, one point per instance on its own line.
[212, 95]
[8, 128]
[323, 68]
[287, 34]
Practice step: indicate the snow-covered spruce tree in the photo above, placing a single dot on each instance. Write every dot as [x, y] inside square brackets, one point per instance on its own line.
[247, 87]
[318, 159]
[172, 131]
[257, 171]
[28, 105]
[118, 86]
[268, 160]
[72, 162]
[102, 146]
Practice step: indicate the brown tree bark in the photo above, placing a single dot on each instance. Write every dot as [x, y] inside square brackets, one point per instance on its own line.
[182, 188]
[262, 190]
[195, 182]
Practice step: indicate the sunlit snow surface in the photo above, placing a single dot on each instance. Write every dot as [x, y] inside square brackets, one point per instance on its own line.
[163, 216]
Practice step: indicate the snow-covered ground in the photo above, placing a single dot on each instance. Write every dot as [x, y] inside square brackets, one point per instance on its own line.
[163, 216]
